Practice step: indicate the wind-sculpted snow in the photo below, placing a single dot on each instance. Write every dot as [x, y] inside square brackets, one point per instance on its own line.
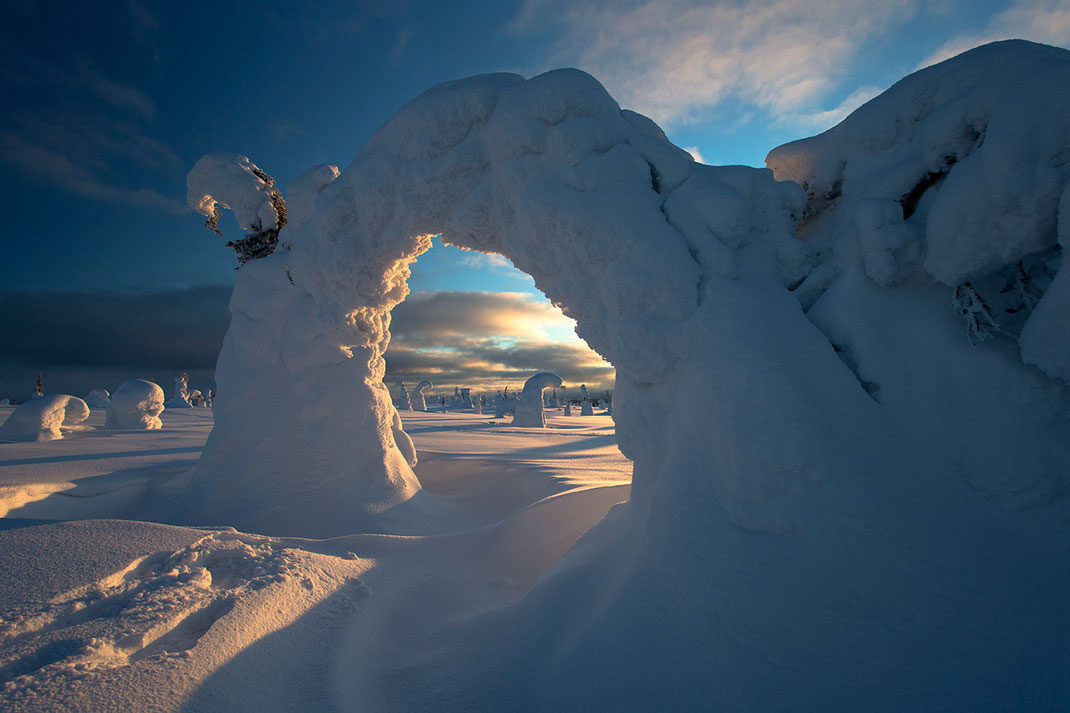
[794, 530]
[136, 405]
[957, 173]
[418, 392]
[39, 419]
[529, 412]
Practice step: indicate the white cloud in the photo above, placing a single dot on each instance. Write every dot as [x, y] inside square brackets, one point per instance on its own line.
[822, 120]
[1046, 21]
[676, 60]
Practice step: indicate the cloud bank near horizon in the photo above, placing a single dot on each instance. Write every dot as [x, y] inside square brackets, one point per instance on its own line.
[85, 340]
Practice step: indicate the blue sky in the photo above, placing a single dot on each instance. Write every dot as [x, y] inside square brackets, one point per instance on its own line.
[108, 105]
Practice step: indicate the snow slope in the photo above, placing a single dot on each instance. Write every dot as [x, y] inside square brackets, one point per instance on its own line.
[112, 613]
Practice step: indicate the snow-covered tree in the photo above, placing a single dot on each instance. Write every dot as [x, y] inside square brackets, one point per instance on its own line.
[529, 410]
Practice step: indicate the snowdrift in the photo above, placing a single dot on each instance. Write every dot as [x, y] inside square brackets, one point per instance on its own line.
[868, 469]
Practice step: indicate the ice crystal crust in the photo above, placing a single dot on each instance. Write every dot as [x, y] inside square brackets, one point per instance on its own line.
[39, 419]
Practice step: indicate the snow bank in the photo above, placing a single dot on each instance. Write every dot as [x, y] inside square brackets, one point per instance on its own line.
[98, 398]
[853, 488]
[529, 411]
[136, 405]
[40, 419]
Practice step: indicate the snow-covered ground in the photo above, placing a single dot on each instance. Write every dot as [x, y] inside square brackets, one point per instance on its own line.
[117, 612]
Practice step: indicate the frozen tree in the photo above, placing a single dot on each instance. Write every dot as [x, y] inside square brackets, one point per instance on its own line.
[529, 410]
[466, 398]
[418, 394]
[568, 408]
[504, 405]
[39, 387]
[136, 405]
[585, 407]
[196, 399]
[40, 418]
[404, 402]
[234, 182]
[180, 395]
[98, 398]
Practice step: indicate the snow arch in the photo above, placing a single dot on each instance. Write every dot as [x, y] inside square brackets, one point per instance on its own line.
[836, 398]
[591, 200]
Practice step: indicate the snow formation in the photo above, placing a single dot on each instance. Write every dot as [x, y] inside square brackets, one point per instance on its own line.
[799, 529]
[136, 405]
[98, 398]
[418, 392]
[180, 397]
[529, 411]
[404, 402]
[39, 419]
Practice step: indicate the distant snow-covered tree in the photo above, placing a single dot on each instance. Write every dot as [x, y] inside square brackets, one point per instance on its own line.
[39, 389]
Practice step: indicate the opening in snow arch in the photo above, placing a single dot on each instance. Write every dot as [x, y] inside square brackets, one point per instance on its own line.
[729, 396]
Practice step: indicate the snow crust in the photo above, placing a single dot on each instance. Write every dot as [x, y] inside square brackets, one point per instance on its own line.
[529, 411]
[135, 405]
[40, 419]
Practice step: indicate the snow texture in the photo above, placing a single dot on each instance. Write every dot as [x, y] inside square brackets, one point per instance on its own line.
[797, 528]
[529, 411]
[40, 419]
[136, 405]
[98, 398]
[953, 174]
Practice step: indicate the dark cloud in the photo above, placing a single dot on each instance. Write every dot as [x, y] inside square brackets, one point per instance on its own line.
[430, 317]
[79, 336]
[84, 340]
[487, 340]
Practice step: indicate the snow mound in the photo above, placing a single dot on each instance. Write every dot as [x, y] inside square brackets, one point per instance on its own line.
[40, 419]
[529, 411]
[136, 405]
[98, 398]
